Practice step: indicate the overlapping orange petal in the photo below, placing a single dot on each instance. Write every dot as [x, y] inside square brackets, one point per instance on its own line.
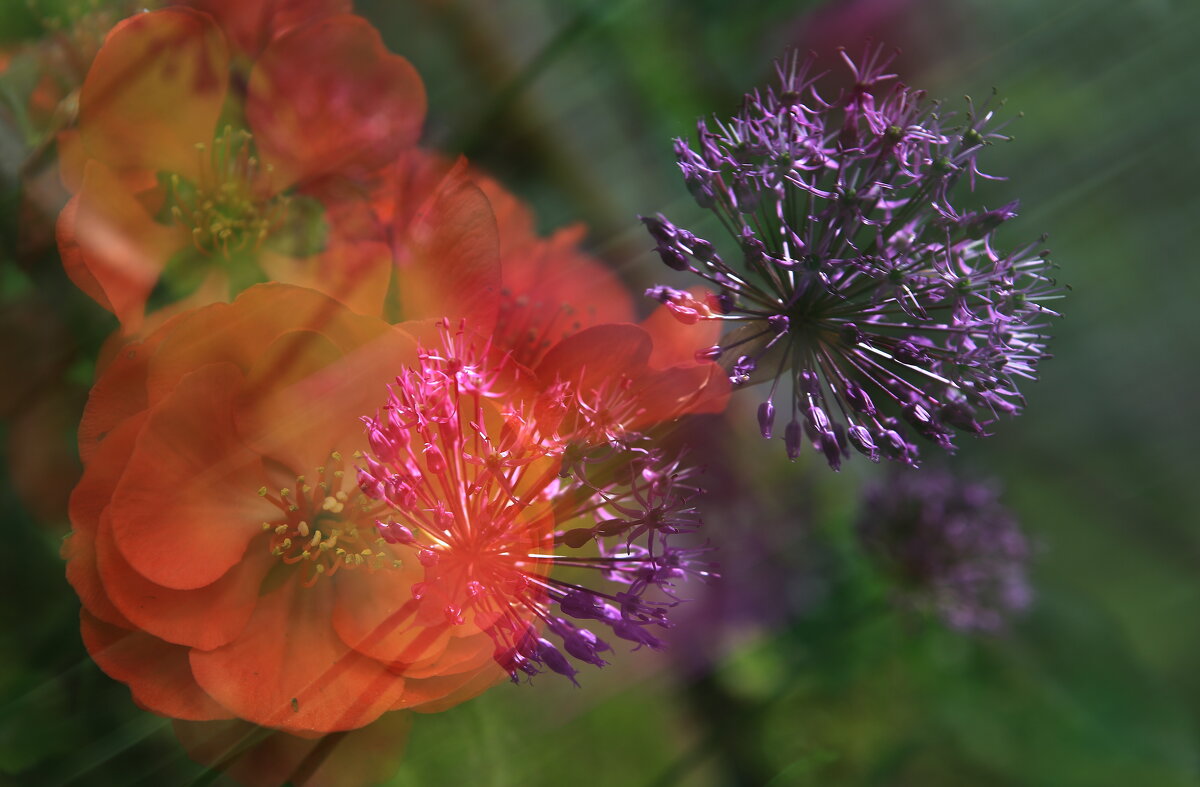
[130, 112]
[328, 97]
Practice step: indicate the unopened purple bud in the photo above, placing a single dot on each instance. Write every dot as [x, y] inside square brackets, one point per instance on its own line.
[722, 302]
[660, 229]
[851, 334]
[626, 629]
[552, 658]
[702, 249]
[980, 223]
[792, 439]
[918, 415]
[708, 354]
[907, 352]
[809, 382]
[672, 257]
[829, 446]
[581, 604]
[746, 194]
[858, 398]
[701, 190]
[580, 643]
[754, 249]
[778, 323]
[860, 438]
[577, 537]
[817, 418]
[960, 416]
[766, 418]
[892, 444]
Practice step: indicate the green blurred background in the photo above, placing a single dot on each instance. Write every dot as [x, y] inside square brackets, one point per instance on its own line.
[795, 671]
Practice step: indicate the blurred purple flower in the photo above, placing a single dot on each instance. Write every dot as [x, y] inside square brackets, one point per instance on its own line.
[926, 33]
[772, 569]
[950, 547]
[888, 309]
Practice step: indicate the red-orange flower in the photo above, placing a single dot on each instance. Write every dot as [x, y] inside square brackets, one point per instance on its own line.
[227, 563]
[233, 565]
[215, 145]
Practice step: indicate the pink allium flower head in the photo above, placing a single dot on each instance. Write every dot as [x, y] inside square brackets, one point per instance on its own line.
[495, 498]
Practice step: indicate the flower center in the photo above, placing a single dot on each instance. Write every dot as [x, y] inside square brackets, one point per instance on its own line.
[327, 526]
[232, 207]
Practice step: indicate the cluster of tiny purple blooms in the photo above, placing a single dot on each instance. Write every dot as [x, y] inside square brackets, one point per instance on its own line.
[876, 309]
[948, 546]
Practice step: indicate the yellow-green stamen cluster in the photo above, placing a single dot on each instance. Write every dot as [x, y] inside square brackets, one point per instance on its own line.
[232, 207]
[325, 527]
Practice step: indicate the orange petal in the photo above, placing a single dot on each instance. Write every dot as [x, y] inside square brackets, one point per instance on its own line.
[79, 550]
[251, 26]
[596, 356]
[304, 397]
[561, 289]
[671, 393]
[356, 273]
[118, 394]
[77, 270]
[369, 755]
[374, 613]
[434, 695]
[468, 654]
[188, 504]
[448, 257]
[155, 91]
[290, 670]
[328, 97]
[240, 332]
[158, 673]
[111, 247]
[204, 618]
[90, 497]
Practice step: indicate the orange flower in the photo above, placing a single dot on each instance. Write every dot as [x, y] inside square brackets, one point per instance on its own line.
[214, 147]
[231, 568]
[228, 565]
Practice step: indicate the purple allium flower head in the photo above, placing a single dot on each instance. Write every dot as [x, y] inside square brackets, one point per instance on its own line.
[949, 545]
[877, 309]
